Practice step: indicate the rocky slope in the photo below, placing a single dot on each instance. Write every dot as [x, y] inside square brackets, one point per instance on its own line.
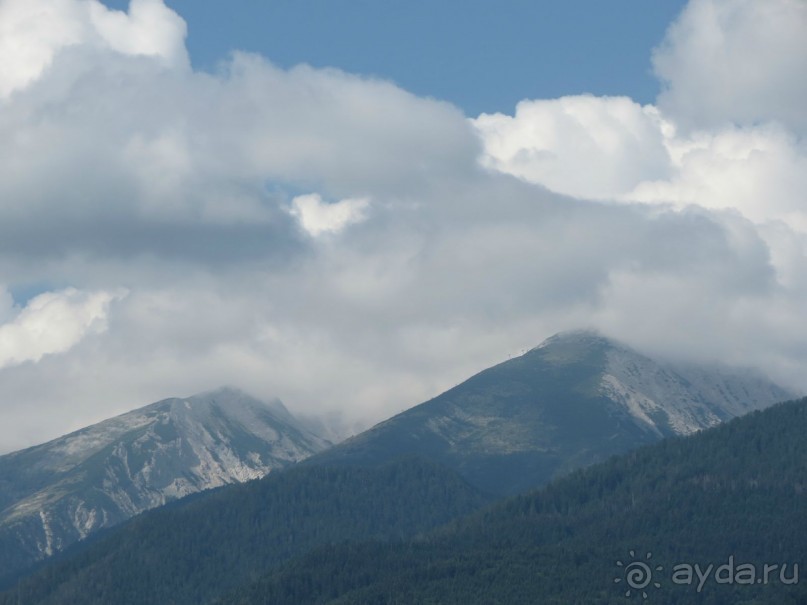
[55, 494]
[576, 399]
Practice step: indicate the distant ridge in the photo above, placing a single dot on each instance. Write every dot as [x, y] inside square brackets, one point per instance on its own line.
[575, 399]
[54, 494]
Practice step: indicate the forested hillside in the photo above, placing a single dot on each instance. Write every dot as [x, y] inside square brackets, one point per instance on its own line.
[735, 493]
[191, 552]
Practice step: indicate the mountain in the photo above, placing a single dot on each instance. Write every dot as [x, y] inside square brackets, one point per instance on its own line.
[576, 399]
[192, 551]
[55, 494]
[730, 500]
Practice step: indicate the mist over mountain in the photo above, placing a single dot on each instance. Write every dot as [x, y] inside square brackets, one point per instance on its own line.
[574, 400]
[60, 492]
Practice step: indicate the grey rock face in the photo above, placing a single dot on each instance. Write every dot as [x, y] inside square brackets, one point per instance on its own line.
[576, 399]
[60, 492]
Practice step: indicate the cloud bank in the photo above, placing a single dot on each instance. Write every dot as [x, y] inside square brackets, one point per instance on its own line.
[354, 249]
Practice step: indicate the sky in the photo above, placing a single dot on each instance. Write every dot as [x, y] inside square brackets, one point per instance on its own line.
[355, 205]
[481, 55]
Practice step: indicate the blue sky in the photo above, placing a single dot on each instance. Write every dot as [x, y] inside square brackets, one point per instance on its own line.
[482, 55]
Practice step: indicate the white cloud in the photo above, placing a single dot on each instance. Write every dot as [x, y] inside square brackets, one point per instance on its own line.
[759, 171]
[32, 32]
[585, 146]
[727, 132]
[192, 190]
[206, 151]
[739, 61]
[318, 217]
[52, 322]
[606, 148]
[149, 28]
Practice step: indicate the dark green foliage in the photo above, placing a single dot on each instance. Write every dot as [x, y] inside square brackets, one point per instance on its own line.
[192, 551]
[738, 490]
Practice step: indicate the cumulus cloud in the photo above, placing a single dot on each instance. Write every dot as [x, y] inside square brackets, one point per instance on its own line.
[759, 171]
[735, 61]
[332, 239]
[585, 146]
[32, 32]
[641, 156]
[52, 323]
[727, 131]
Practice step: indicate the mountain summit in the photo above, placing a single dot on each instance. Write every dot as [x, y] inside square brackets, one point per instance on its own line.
[576, 399]
[665, 398]
[54, 494]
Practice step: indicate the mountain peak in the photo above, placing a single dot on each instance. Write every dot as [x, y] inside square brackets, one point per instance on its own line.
[576, 399]
[578, 334]
[226, 392]
[574, 346]
[229, 398]
[581, 338]
[59, 492]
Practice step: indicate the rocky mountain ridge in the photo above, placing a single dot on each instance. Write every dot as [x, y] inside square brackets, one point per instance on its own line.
[574, 400]
[59, 492]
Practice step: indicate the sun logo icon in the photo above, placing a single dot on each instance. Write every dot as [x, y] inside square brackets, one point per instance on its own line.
[637, 574]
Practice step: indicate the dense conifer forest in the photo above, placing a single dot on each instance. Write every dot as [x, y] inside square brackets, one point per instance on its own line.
[738, 491]
[193, 550]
